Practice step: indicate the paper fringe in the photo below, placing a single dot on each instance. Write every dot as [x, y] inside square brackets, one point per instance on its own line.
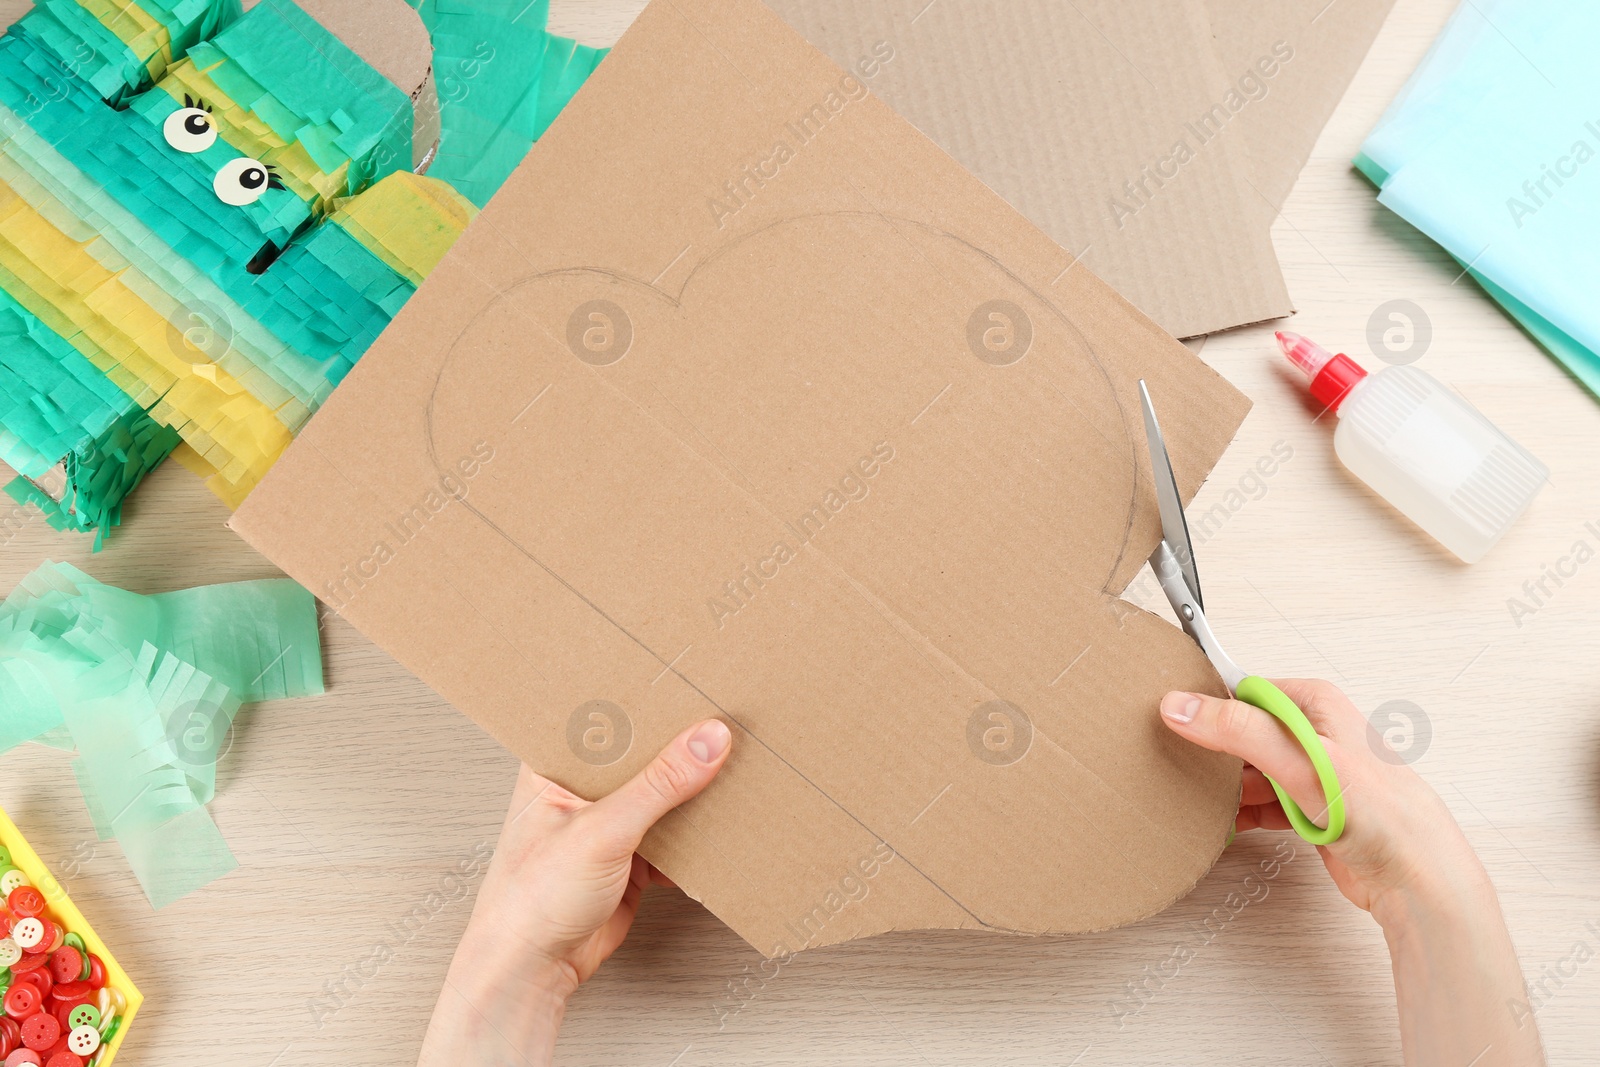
[147, 689]
[132, 322]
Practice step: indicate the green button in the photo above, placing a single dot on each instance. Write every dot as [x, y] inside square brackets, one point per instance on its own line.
[5, 856]
[84, 1015]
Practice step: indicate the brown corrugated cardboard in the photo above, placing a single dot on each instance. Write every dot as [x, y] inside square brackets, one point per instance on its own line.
[1292, 100]
[742, 399]
[1120, 127]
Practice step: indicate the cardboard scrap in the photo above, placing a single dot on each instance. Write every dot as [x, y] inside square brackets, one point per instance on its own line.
[1289, 106]
[1155, 139]
[741, 399]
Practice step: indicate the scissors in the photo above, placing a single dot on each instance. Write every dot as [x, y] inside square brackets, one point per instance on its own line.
[1174, 567]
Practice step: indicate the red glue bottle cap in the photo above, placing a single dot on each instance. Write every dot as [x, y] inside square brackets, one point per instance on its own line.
[1332, 376]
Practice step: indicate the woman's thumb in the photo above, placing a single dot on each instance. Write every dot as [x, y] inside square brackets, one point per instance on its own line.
[679, 772]
[1247, 732]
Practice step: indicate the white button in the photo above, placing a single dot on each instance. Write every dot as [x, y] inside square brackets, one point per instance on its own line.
[28, 933]
[83, 1040]
[11, 880]
[10, 952]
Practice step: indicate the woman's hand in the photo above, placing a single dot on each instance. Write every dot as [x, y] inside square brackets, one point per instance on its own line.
[1398, 833]
[560, 895]
[1401, 857]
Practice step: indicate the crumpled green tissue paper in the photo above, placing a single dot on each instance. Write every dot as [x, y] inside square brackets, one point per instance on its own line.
[146, 688]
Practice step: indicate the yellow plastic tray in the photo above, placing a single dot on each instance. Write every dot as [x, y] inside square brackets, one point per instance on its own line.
[24, 858]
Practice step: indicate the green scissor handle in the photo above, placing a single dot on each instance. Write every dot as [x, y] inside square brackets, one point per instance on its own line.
[1275, 702]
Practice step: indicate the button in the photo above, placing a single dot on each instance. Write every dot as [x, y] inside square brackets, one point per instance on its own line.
[21, 1001]
[54, 936]
[39, 979]
[41, 1031]
[66, 963]
[10, 952]
[21, 1056]
[97, 972]
[83, 1040]
[64, 1059]
[5, 856]
[10, 1035]
[30, 961]
[72, 991]
[25, 901]
[61, 1009]
[84, 1015]
[11, 880]
[29, 933]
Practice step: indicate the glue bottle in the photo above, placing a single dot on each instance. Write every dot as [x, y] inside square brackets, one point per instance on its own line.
[1422, 448]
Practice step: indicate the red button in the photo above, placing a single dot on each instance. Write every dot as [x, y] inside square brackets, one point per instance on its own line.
[41, 1031]
[21, 1001]
[10, 1037]
[22, 1056]
[97, 972]
[26, 901]
[66, 963]
[40, 980]
[29, 962]
[61, 1009]
[64, 1059]
[54, 936]
[71, 991]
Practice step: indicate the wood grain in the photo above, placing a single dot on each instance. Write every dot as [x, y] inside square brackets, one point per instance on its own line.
[347, 811]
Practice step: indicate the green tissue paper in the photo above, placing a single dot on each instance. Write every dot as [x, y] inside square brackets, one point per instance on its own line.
[146, 689]
[502, 79]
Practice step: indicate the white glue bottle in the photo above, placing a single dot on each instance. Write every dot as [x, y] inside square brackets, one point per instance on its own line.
[1422, 448]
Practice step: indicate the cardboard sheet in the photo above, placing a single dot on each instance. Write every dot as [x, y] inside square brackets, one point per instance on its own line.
[1154, 138]
[742, 399]
[1281, 125]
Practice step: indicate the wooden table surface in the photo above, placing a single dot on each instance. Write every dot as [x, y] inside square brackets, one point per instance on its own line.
[346, 812]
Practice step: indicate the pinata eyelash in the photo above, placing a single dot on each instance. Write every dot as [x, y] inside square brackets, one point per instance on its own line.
[196, 102]
[273, 181]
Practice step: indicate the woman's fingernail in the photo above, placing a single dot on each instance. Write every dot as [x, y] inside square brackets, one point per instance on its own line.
[1180, 707]
[710, 741]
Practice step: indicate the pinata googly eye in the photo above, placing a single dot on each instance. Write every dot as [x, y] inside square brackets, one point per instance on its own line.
[191, 128]
[243, 181]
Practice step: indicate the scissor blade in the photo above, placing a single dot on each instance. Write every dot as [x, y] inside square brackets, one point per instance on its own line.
[1174, 527]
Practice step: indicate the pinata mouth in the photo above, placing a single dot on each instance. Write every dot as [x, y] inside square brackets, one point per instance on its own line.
[266, 257]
